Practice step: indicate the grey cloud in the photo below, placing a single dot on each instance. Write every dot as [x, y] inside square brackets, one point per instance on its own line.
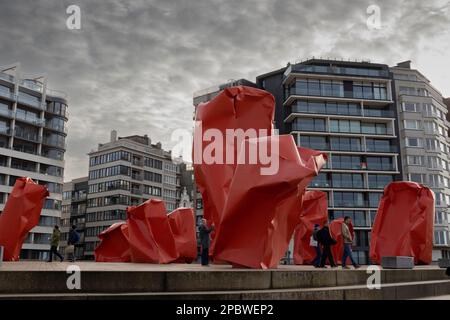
[135, 64]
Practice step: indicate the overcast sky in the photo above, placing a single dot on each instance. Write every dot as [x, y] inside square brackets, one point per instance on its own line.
[134, 65]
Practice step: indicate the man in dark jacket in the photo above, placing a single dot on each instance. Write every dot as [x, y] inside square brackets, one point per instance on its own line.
[205, 241]
[71, 242]
[325, 239]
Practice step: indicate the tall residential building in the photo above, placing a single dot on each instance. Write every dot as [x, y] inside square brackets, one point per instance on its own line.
[425, 144]
[32, 144]
[73, 213]
[126, 171]
[347, 110]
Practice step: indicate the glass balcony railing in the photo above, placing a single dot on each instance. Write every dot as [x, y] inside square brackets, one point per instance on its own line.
[29, 101]
[25, 118]
[6, 113]
[378, 113]
[347, 94]
[30, 136]
[387, 149]
[56, 127]
[364, 72]
[6, 93]
[54, 142]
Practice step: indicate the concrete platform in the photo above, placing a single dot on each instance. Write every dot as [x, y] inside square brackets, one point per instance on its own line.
[42, 280]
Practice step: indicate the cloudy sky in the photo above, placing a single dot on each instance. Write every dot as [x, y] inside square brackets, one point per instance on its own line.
[134, 65]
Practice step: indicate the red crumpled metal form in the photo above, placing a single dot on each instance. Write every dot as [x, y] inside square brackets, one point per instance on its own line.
[404, 223]
[254, 215]
[234, 108]
[114, 245]
[336, 232]
[150, 237]
[182, 224]
[314, 211]
[21, 214]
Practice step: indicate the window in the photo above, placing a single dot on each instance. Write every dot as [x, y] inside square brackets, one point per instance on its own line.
[411, 107]
[416, 177]
[309, 124]
[412, 124]
[432, 144]
[379, 181]
[414, 142]
[313, 142]
[415, 160]
[434, 163]
[348, 199]
[346, 180]
[345, 144]
[380, 163]
[378, 145]
[441, 237]
[346, 162]
[374, 199]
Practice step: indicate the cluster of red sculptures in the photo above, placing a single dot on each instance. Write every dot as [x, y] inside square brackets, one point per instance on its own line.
[150, 235]
[21, 214]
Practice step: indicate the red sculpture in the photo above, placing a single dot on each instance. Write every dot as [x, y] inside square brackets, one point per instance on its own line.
[150, 237]
[21, 214]
[404, 223]
[255, 214]
[336, 232]
[234, 108]
[182, 224]
[114, 245]
[314, 211]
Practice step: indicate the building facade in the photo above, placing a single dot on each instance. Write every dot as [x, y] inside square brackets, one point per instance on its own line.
[33, 130]
[425, 144]
[126, 171]
[73, 213]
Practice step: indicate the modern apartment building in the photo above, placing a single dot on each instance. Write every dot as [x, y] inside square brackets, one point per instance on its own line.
[126, 171]
[347, 110]
[33, 131]
[425, 144]
[73, 213]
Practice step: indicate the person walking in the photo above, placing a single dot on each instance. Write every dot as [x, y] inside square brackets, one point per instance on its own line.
[54, 243]
[205, 241]
[71, 242]
[314, 243]
[325, 239]
[348, 242]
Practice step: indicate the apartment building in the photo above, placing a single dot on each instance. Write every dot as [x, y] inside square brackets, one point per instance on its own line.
[126, 171]
[33, 130]
[425, 144]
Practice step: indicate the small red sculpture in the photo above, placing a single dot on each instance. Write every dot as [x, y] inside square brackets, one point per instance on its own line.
[314, 211]
[114, 245]
[404, 223]
[182, 224]
[21, 214]
[150, 237]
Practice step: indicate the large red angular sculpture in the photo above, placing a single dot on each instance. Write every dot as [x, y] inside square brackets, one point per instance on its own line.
[182, 224]
[336, 232]
[404, 223]
[254, 214]
[234, 108]
[150, 237]
[21, 214]
[114, 245]
[314, 211]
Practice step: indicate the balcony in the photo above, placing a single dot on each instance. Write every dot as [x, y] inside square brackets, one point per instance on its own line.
[137, 162]
[29, 136]
[339, 94]
[54, 142]
[7, 94]
[32, 85]
[24, 118]
[6, 113]
[29, 101]
[136, 191]
[6, 132]
[56, 127]
[355, 111]
[346, 71]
